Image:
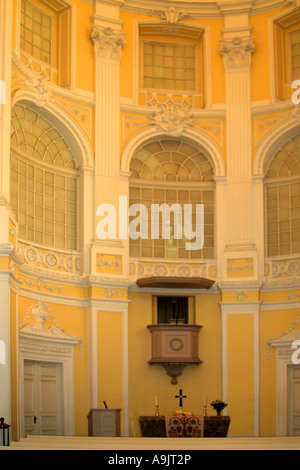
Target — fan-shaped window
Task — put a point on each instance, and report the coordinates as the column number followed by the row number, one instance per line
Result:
column 43, row 187
column 172, row 172
column 283, row 200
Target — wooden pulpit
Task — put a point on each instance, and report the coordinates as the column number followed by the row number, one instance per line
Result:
column 104, row 422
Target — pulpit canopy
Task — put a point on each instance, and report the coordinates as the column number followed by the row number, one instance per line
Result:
column 176, row 282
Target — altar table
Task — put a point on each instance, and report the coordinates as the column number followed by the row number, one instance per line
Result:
column 195, row 426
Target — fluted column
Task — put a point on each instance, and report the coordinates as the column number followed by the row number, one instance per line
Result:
column 240, row 268
column 236, row 53
column 108, row 43
column 108, row 305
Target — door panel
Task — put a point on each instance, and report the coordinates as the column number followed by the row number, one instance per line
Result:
column 29, row 397
column 42, row 398
column 294, row 400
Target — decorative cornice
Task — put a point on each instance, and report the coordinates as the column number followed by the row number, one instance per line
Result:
column 290, row 3
column 236, row 52
column 171, row 15
column 108, row 43
column 41, row 313
column 211, row 8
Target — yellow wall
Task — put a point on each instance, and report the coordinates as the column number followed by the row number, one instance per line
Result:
column 74, row 321
column 273, row 324
column 215, row 59
column 85, row 71
column 148, row 381
column 240, row 374
column 145, row 381
column 260, row 69
column 110, row 357
column 14, row 363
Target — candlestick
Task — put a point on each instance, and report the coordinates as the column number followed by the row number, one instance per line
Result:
column 205, row 406
column 156, row 407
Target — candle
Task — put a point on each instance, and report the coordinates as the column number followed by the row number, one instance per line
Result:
column 156, row 401
column 205, row 400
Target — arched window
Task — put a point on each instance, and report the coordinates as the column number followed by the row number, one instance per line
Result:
column 172, row 171
column 283, row 201
column 43, row 186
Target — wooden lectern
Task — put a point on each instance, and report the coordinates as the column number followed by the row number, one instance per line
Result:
column 104, row 422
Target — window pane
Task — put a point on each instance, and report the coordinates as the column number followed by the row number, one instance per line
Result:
column 35, row 32
column 171, row 156
column 165, row 62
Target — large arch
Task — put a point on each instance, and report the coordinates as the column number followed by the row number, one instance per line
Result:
column 273, row 141
column 189, row 134
column 82, row 150
column 73, row 134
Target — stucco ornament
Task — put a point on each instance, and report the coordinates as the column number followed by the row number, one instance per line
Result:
column 172, row 120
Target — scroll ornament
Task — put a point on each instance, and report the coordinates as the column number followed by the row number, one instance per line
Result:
column 108, row 43
column 237, row 52
column 172, row 120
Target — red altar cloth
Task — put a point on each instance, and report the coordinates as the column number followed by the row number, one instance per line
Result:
column 184, row 426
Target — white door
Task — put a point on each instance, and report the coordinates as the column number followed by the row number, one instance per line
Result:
column 42, row 398
column 294, row 400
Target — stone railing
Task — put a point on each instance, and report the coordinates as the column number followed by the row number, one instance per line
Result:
column 282, row 267
column 139, row 268
column 36, row 256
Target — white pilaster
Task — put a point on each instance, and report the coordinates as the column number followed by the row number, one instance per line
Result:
column 120, row 306
column 108, row 43
column 242, row 260
column 258, row 221
column 242, row 308
column 87, row 210
column 236, row 48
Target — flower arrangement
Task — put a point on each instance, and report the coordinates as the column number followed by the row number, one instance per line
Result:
column 218, row 406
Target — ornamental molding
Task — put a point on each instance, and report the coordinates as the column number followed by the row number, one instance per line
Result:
column 171, row 119
column 139, row 268
column 109, row 292
column 282, row 269
column 290, row 3
column 211, row 8
column 40, row 284
column 285, row 339
column 26, row 73
column 293, row 295
column 171, row 15
column 49, row 259
column 101, row 261
column 237, row 52
column 108, row 43
column 39, row 313
column 37, row 80
column 295, row 113
column 181, row 101
column 263, row 125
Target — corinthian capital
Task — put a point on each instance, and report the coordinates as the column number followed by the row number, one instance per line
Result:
column 108, row 42
column 237, row 52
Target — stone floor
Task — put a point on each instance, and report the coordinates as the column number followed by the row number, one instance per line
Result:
column 154, row 444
